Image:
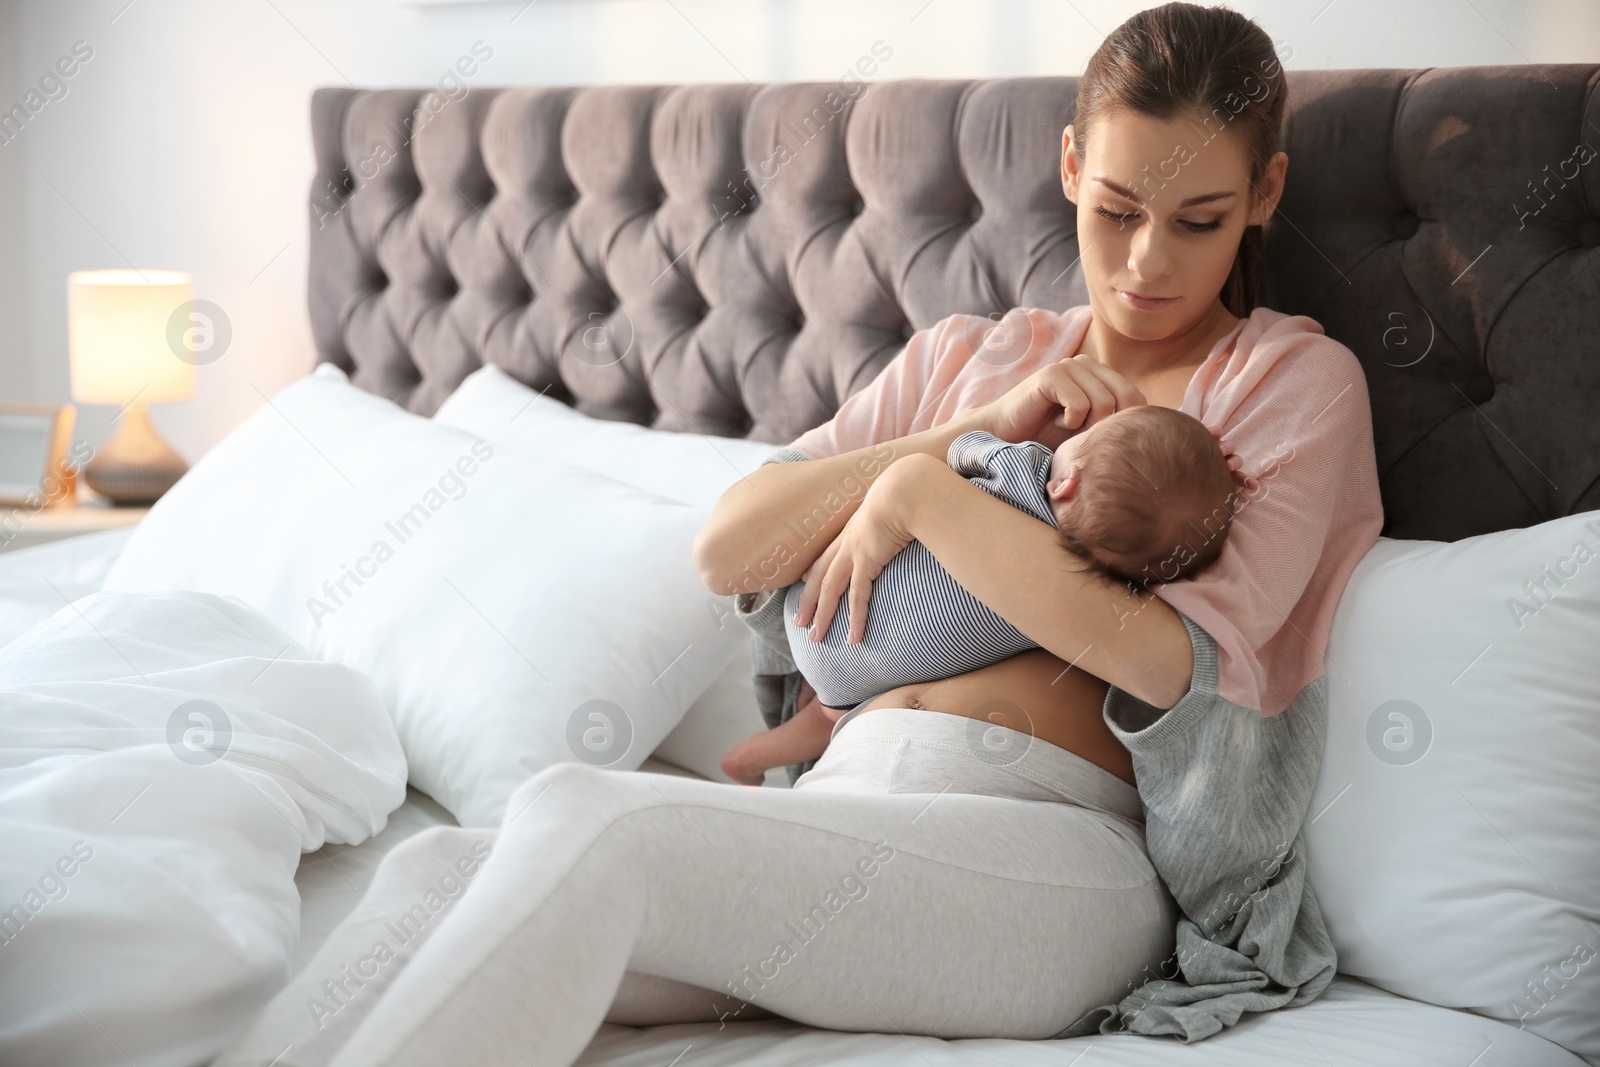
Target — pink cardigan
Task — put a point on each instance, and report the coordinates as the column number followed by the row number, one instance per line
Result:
column 1290, row 400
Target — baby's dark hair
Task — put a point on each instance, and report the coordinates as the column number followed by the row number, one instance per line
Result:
column 1155, row 498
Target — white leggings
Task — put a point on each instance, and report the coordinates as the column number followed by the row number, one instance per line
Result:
column 932, row 874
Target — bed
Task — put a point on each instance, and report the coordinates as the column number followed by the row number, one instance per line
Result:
column 1352, row 1024
column 733, row 261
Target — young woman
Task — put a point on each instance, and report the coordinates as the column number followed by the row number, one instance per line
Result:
column 968, row 857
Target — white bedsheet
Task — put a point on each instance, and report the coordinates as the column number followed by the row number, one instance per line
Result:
column 165, row 758
column 1352, row 1025
column 37, row 582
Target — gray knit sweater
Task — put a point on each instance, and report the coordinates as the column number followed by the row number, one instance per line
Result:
column 1225, row 792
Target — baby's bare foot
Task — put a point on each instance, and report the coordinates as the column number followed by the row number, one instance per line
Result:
column 802, row 738
column 742, row 765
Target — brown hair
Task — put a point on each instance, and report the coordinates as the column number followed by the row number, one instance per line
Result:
column 1177, row 60
column 1155, row 500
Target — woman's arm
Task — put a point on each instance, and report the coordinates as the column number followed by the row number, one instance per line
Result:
column 771, row 525
column 1017, row 568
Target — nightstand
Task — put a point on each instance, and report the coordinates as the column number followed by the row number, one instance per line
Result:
column 21, row 527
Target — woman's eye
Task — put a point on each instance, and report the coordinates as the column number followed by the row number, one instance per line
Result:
column 1193, row 227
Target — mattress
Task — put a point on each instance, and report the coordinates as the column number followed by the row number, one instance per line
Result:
column 1353, row 1024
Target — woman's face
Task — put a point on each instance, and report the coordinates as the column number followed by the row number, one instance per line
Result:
column 1161, row 211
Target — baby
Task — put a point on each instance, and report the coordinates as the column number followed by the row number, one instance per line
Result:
column 1144, row 496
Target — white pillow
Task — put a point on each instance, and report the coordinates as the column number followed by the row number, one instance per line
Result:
column 1454, row 835
column 691, row 467
column 514, row 611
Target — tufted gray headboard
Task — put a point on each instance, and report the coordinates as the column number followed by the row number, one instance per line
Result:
column 738, row 259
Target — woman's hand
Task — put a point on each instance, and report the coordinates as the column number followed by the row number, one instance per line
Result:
column 1057, row 401
column 874, row 535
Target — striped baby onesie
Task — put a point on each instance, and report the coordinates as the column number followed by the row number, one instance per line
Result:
column 921, row 625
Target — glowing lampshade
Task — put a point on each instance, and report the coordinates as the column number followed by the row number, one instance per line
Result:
column 118, row 334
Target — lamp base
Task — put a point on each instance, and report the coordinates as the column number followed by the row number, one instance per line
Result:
column 134, row 466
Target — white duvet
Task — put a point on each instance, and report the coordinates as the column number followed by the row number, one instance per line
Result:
column 165, row 759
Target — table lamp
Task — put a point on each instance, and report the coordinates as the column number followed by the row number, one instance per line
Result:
column 118, row 327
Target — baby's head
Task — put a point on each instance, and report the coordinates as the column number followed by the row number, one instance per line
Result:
column 1145, row 495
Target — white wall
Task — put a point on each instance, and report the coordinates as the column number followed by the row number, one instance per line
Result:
column 184, row 142
column 16, row 378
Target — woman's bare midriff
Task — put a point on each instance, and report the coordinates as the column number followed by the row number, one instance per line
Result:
column 1034, row 692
